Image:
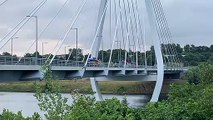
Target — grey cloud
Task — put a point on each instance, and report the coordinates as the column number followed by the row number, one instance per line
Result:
column 189, row 20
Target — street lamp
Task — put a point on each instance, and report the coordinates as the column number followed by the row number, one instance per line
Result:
column 42, row 47
column 36, row 52
column 119, row 52
column 76, row 43
column 11, row 47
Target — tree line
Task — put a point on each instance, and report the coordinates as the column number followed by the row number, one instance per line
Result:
column 190, row 55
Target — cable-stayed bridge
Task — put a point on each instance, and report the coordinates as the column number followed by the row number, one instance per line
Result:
column 127, row 38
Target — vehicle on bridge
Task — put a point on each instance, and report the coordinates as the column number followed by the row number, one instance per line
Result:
column 93, row 62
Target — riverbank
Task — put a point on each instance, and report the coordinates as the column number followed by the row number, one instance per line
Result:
column 83, row 86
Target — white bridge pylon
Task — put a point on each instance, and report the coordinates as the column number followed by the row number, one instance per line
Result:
column 152, row 13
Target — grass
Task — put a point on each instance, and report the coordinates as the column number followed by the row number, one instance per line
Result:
column 83, row 86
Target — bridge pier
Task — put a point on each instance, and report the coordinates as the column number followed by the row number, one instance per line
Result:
column 96, row 89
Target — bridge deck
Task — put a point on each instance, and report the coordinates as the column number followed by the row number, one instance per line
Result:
column 34, row 72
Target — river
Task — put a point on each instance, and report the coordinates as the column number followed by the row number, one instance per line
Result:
column 28, row 104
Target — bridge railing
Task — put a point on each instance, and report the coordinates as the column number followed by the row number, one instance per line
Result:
column 9, row 60
column 13, row 60
column 58, row 62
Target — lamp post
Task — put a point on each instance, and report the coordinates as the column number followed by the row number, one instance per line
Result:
column 36, row 52
column 42, row 47
column 76, row 43
column 11, row 47
column 119, row 52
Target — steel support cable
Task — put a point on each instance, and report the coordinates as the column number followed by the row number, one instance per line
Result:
column 3, row 2
column 102, row 53
column 57, row 48
column 96, row 34
column 138, row 34
column 142, row 34
column 122, row 27
column 110, row 20
column 133, row 35
column 41, row 33
column 70, row 53
column 165, row 33
column 110, row 28
column 142, row 38
column 31, row 14
column 131, row 23
column 161, row 32
column 165, row 21
column 116, row 17
column 156, row 21
column 127, row 36
column 126, row 22
column 142, row 31
column 136, row 28
column 129, row 41
column 122, row 24
column 161, row 29
column 168, row 30
column 53, row 19
column 48, row 58
column 127, row 27
column 173, row 53
column 132, row 30
column 119, row 15
column 114, row 39
column 21, row 25
column 166, row 39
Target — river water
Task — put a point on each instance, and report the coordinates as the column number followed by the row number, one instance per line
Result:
column 28, row 104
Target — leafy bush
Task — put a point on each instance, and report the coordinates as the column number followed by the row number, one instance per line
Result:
column 190, row 101
column 51, row 101
column 7, row 115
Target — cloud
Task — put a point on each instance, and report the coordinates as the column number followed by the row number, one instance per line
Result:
column 190, row 21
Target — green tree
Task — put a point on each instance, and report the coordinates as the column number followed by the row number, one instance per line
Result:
column 187, row 48
column 188, row 101
column 75, row 54
column 211, row 48
column 51, row 101
column 6, row 54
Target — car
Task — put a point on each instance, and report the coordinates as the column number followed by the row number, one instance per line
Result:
column 93, row 62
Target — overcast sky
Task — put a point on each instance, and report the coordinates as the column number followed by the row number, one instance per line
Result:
column 190, row 22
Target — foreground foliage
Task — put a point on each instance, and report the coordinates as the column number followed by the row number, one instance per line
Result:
column 189, row 101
